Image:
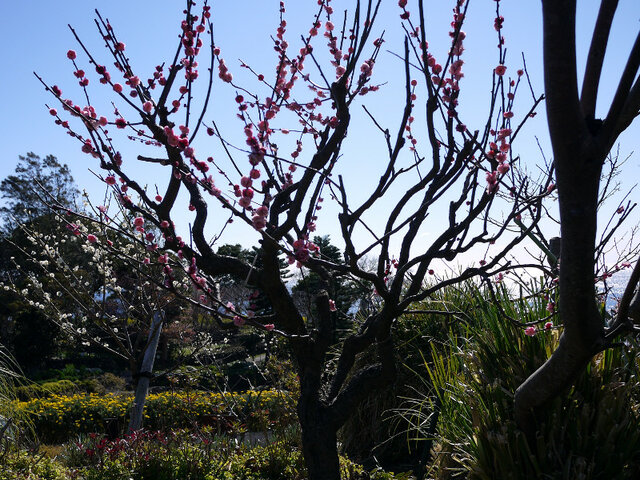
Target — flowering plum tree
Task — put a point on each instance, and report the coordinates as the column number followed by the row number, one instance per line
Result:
column 430, row 162
column 31, row 336
column 94, row 296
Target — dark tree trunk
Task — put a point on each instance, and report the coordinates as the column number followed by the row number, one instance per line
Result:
column 578, row 163
column 319, row 446
column 319, row 442
column 322, row 411
column 583, row 333
column 580, row 145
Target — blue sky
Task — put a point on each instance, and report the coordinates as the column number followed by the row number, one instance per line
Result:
column 36, row 37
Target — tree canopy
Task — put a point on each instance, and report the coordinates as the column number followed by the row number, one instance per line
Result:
column 35, row 183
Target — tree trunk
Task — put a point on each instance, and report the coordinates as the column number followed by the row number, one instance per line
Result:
column 144, row 373
column 555, row 376
column 319, row 447
column 319, row 442
column 578, row 158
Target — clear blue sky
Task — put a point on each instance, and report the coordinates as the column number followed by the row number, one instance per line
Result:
column 35, row 36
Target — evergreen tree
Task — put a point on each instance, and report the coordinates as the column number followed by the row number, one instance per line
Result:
column 345, row 293
column 238, row 288
column 35, row 182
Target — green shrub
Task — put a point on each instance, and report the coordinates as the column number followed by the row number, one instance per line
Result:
column 91, row 385
column 196, row 455
column 35, row 390
column 101, row 384
column 19, row 465
column 383, row 425
column 111, row 382
column 60, row 417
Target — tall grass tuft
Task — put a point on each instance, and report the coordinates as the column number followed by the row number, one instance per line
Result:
column 591, row 432
column 385, row 430
column 10, row 377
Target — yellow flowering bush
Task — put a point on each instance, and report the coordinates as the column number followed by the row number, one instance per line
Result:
column 60, row 417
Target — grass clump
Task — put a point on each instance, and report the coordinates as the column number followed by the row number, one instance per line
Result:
column 591, row 432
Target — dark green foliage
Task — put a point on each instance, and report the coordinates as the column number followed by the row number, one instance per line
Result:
column 111, row 382
column 31, row 337
column 202, row 455
column 35, row 182
column 462, row 369
column 383, row 426
column 20, row 465
column 237, row 289
column 342, row 290
column 100, row 384
column 591, row 433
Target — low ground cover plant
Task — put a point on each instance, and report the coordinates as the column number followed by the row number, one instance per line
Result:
column 194, row 454
column 60, row 417
column 197, row 455
column 24, row 465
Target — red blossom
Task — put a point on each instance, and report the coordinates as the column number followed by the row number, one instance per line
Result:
column 500, row 70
